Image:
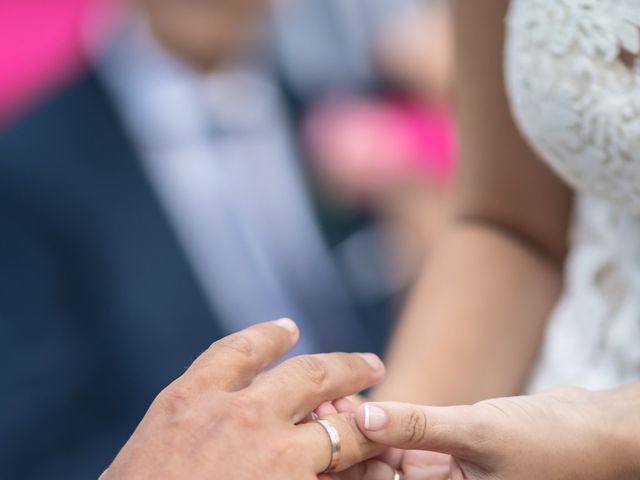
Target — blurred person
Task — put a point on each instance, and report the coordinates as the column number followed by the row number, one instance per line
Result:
column 157, row 203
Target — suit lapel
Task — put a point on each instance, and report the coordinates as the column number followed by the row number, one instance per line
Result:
column 155, row 298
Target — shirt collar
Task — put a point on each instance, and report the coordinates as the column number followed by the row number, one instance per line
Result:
column 167, row 101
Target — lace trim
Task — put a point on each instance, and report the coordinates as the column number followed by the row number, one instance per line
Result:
column 573, row 78
column 574, row 94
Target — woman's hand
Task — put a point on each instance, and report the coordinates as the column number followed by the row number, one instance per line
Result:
column 559, row 435
column 219, row 421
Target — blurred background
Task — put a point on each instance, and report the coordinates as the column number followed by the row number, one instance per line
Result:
column 175, row 170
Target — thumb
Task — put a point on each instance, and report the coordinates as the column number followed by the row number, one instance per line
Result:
column 459, row 431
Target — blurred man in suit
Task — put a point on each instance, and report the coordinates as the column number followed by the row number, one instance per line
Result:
column 154, row 205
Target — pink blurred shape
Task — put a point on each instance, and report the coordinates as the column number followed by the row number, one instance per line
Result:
column 368, row 146
column 40, row 47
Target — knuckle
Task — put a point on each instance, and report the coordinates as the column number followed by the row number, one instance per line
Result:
column 202, row 381
column 414, row 427
column 174, row 399
column 313, row 368
column 238, row 348
column 239, row 345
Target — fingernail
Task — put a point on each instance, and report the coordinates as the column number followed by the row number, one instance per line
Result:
column 287, row 324
column 373, row 360
column 374, row 418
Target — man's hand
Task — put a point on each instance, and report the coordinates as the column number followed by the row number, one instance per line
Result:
column 219, row 421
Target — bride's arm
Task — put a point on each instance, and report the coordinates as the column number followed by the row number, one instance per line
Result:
column 474, row 324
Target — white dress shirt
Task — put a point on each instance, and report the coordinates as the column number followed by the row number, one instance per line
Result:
column 218, row 152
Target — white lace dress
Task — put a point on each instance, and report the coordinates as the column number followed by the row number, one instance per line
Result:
column 574, row 84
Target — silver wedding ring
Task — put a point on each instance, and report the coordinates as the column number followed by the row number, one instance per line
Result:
column 397, row 475
column 336, row 446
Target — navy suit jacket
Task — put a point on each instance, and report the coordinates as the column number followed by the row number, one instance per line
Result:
column 99, row 309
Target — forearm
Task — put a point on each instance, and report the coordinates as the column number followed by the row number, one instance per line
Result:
column 474, row 324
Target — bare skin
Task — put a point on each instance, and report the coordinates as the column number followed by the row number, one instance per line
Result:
column 219, row 421
column 559, row 435
column 473, row 327
column 472, row 332
column 205, row 33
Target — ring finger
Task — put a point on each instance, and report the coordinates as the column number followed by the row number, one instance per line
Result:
column 354, row 447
